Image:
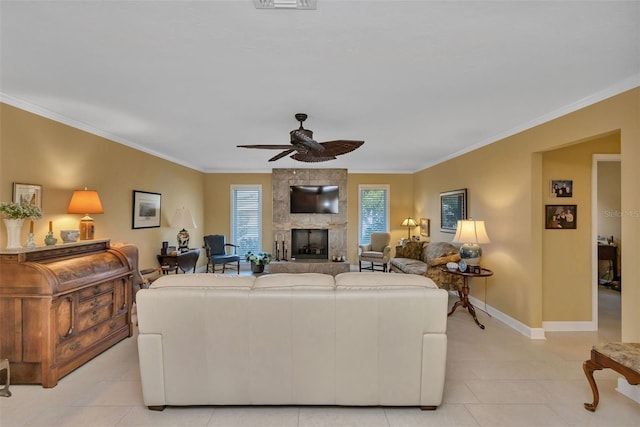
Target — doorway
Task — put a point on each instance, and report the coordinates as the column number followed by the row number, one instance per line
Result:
column 607, row 238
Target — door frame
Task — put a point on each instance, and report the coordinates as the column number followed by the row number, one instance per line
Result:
column 594, row 230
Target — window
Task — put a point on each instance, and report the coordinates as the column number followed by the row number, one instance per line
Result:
column 374, row 211
column 246, row 218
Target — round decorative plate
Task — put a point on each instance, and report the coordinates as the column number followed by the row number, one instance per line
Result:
column 462, row 265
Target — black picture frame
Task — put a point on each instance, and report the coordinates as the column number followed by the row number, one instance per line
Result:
column 561, row 217
column 453, row 207
column 561, row 188
column 146, row 209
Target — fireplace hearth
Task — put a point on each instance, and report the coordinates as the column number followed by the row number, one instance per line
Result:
column 309, row 243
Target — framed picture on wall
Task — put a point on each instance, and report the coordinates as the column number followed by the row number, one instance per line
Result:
column 425, row 227
column 561, row 217
column 27, row 194
column 146, row 209
column 561, row 188
column 453, row 207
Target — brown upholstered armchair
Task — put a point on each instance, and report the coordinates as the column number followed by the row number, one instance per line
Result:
column 376, row 252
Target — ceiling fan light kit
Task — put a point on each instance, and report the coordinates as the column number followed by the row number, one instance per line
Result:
column 285, row 4
column 306, row 149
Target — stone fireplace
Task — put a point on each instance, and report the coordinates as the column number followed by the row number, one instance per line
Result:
column 310, row 243
column 284, row 222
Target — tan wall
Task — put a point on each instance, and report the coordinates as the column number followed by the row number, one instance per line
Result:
column 35, row 150
column 505, row 182
column 401, row 206
column 217, row 194
column 609, row 199
column 566, row 273
column 218, row 205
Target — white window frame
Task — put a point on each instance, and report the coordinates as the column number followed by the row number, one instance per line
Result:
column 384, row 187
column 233, row 237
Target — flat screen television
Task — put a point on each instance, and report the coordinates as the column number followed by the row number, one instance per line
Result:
column 314, row 198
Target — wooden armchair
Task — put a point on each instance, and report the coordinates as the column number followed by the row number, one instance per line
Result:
column 217, row 253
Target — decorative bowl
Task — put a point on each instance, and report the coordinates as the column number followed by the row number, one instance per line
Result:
column 69, row 236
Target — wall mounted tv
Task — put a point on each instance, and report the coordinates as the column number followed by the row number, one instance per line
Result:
column 314, row 198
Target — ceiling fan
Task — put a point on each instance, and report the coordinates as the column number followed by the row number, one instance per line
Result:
column 307, row 149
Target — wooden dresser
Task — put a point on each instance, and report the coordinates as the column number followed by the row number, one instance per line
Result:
column 62, row 305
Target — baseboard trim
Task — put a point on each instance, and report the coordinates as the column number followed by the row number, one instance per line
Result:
column 631, row 391
column 533, row 333
column 554, row 326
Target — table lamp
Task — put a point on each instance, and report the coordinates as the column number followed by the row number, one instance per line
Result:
column 85, row 202
column 183, row 220
column 409, row 222
column 471, row 233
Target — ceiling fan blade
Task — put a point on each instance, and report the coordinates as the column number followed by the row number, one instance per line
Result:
column 311, row 158
column 340, row 146
column 281, row 155
column 267, row 146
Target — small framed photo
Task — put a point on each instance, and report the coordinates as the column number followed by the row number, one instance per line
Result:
column 146, row 209
column 425, row 227
column 30, row 194
column 453, row 207
column 561, row 217
column 561, row 188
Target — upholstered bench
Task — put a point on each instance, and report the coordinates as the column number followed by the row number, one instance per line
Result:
column 624, row 358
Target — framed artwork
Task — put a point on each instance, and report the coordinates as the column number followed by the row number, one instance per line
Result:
column 561, row 217
column 146, row 209
column 425, row 227
column 30, row 194
column 453, row 206
column 561, row 188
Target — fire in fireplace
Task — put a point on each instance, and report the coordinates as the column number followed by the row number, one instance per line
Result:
column 310, row 243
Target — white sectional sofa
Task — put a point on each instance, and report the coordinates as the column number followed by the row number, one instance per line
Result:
column 358, row 339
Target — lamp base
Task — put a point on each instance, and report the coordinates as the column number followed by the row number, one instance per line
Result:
column 471, row 253
column 87, row 228
column 183, row 240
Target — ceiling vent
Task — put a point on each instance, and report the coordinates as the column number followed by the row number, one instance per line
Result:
column 285, row 4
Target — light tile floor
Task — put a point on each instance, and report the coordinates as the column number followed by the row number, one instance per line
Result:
column 495, row 377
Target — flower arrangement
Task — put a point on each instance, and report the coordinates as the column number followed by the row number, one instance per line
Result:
column 261, row 258
column 20, row 211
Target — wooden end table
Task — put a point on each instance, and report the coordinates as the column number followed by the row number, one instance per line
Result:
column 169, row 262
column 464, row 292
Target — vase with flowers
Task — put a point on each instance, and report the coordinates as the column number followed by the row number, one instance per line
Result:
column 14, row 215
column 258, row 261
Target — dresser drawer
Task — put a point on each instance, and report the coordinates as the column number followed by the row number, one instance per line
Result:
column 91, row 318
column 71, row 347
column 92, row 291
column 95, row 302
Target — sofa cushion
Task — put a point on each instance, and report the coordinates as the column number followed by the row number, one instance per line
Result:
column 440, row 250
column 295, row 280
column 409, row 265
column 203, row 280
column 379, row 280
column 443, row 260
column 412, row 250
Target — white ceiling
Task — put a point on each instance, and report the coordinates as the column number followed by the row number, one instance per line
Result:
column 419, row 82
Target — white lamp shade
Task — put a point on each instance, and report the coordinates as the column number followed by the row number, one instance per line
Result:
column 183, row 219
column 471, row 231
column 409, row 222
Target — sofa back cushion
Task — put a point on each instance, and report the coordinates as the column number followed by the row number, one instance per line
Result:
column 204, row 280
column 379, row 280
column 440, row 253
column 295, row 280
column 413, row 250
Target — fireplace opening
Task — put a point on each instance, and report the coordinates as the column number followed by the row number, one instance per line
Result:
column 310, row 243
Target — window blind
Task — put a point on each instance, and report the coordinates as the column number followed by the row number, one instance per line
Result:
column 246, row 217
column 374, row 211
